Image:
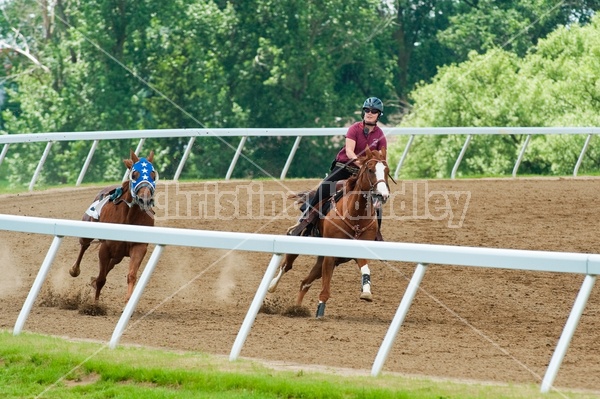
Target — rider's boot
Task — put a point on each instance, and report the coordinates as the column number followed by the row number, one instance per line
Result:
column 301, row 224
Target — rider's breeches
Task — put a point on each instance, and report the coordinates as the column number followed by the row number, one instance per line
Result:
column 327, row 187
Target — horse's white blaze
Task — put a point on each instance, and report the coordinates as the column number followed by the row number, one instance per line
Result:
column 380, row 175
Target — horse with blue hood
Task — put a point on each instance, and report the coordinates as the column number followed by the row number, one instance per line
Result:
column 128, row 203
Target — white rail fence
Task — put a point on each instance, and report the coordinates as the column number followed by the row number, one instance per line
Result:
column 421, row 254
column 193, row 134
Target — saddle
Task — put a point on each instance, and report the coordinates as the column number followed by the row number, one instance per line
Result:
column 308, row 227
column 112, row 194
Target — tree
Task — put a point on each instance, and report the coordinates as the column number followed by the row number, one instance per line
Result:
column 429, row 34
column 554, row 85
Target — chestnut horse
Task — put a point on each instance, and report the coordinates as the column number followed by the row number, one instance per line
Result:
column 353, row 216
column 129, row 203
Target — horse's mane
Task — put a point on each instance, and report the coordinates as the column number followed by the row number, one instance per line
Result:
column 350, row 183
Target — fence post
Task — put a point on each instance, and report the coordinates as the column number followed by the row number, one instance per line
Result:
column 135, row 296
column 38, row 170
column 290, row 158
column 37, row 285
column 4, row 151
column 88, row 160
column 186, row 154
column 254, row 307
column 404, row 155
column 580, row 159
column 460, row 157
column 236, row 157
column 521, row 154
column 568, row 331
column 398, row 319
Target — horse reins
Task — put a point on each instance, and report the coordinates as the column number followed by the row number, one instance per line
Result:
column 356, row 227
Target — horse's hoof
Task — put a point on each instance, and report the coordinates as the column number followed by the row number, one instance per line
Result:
column 320, row 310
column 272, row 288
column 74, row 272
column 366, row 296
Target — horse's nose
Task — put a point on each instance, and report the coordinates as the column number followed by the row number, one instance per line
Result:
column 146, row 203
column 383, row 190
column 145, row 199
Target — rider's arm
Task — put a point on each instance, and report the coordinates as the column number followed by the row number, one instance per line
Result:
column 350, row 146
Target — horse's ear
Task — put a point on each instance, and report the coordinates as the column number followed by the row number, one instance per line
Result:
column 151, row 156
column 368, row 152
column 133, row 157
column 384, row 153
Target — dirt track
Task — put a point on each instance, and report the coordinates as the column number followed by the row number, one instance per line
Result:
column 467, row 323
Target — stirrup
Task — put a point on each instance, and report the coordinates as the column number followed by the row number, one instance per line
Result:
column 297, row 229
column 294, row 230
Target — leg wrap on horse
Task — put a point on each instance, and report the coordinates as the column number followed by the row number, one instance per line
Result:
column 320, row 310
column 366, row 284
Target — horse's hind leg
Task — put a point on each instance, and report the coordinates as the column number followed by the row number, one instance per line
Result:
column 314, row 274
column 85, row 244
column 285, row 266
column 327, row 274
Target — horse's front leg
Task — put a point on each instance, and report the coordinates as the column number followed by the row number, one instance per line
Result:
column 84, row 245
column 136, row 256
column 315, row 273
column 106, row 264
column 76, row 268
column 327, row 274
column 365, row 272
column 285, row 266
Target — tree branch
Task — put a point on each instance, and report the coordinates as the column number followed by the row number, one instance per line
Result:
column 5, row 46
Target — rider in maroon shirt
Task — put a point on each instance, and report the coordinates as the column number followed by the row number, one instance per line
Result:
column 359, row 136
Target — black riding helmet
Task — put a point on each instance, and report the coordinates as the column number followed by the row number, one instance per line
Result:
column 372, row 102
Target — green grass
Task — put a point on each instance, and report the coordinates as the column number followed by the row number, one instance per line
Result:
column 35, row 366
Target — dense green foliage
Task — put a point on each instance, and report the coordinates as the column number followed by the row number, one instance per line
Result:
column 146, row 64
column 45, row 367
column 555, row 84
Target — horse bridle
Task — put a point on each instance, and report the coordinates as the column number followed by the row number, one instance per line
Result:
column 374, row 185
column 356, row 227
column 145, row 169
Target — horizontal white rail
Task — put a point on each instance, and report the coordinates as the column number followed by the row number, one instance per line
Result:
column 545, row 261
column 244, row 133
column 291, row 132
column 422, row 254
